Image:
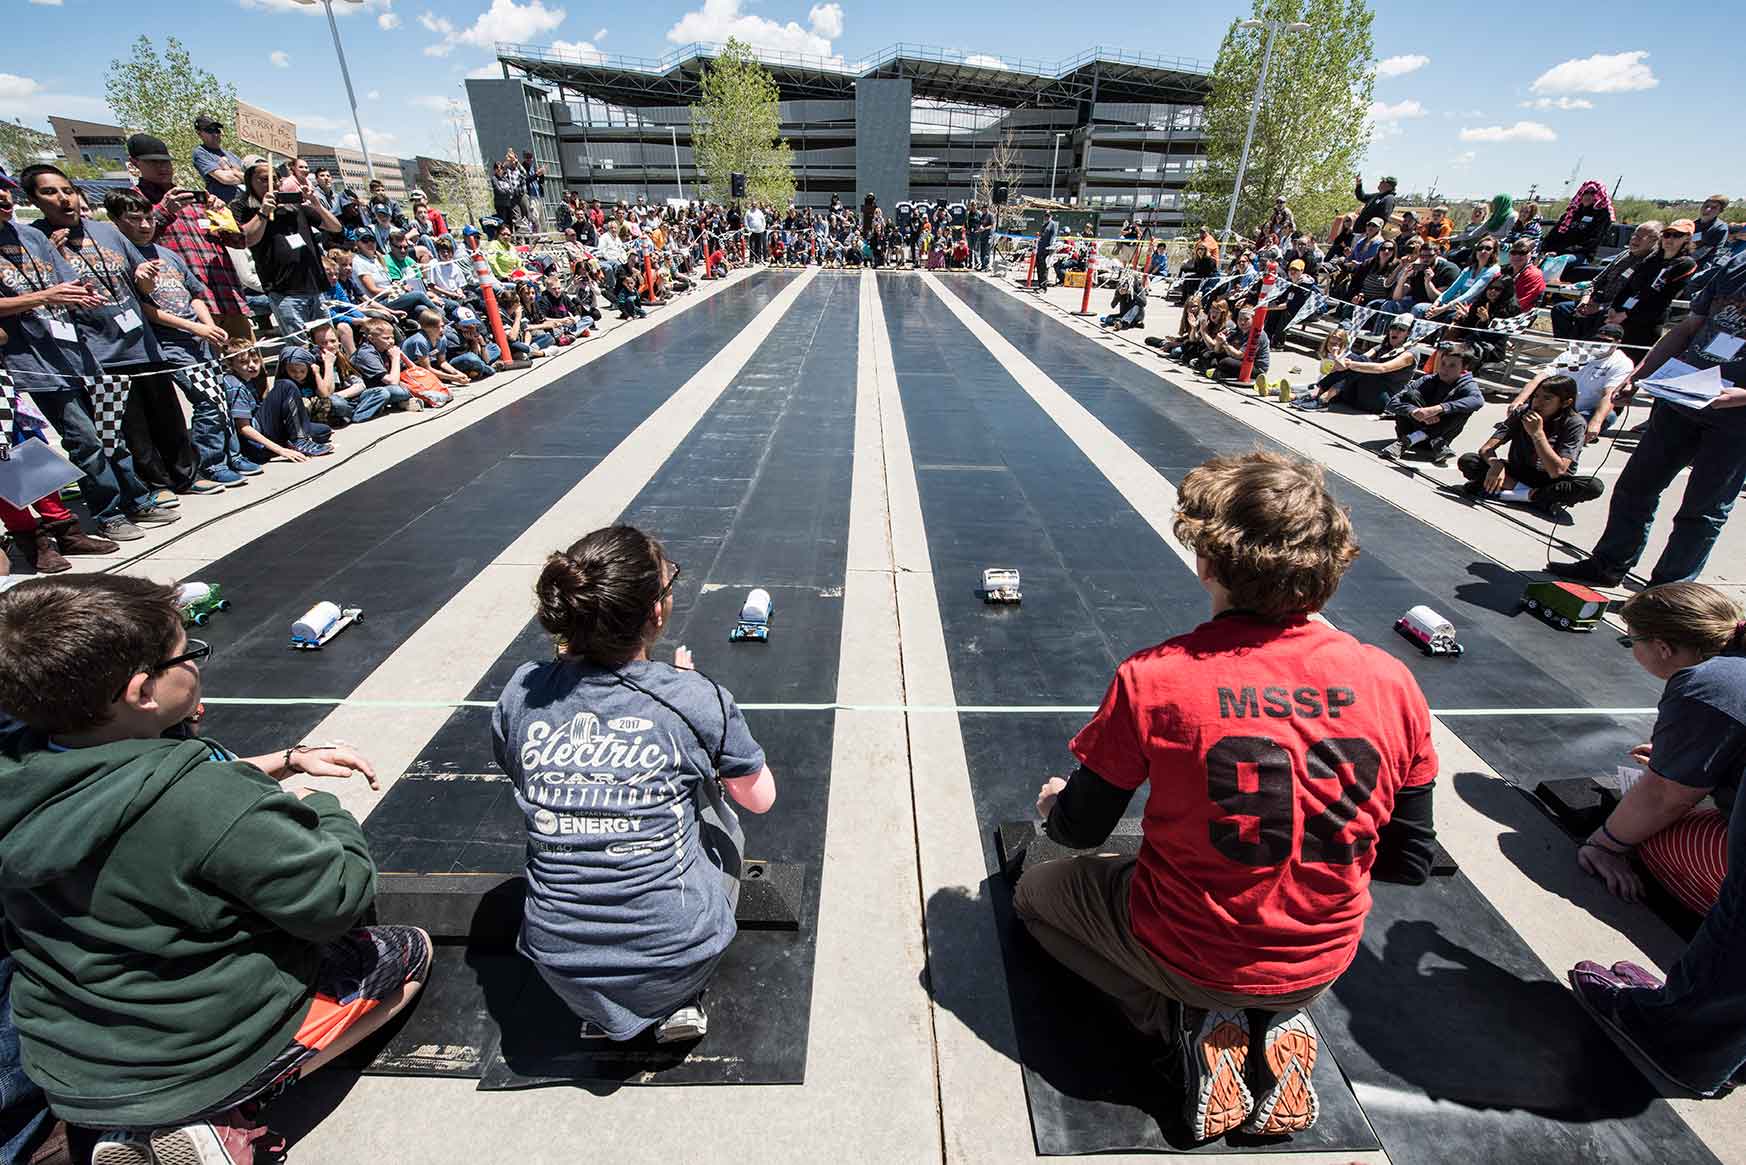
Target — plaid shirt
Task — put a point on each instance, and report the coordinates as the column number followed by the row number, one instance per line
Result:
column 203, row 250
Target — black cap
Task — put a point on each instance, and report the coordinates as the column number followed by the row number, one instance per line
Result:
column 1611, row 332
column 206, row 123
column 143, row 147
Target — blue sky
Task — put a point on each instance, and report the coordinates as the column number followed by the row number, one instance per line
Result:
column 1477, row 115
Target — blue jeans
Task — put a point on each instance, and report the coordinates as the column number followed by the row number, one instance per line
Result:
column 472, row 364
column 1694, row 1028
column 1713, row 444
column 352, row 409
column 411, row 301
column 209, row 429
column 294, row 313
column 110, row 484
column 1568, row 325
column 23, row 1111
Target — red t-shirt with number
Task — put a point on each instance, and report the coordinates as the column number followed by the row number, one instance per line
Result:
column 1273, row 751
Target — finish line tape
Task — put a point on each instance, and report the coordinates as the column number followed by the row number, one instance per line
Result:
column 959, row 709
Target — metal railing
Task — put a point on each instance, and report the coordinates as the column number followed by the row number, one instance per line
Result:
column 903, row 50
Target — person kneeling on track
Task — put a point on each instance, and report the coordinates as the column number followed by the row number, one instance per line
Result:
column 1242, row 907
column 185, row 923
column 620, row 765
column 1539, row 466
column 1693, row 1028
column 1432, row 410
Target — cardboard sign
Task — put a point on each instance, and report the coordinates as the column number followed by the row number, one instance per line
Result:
column 257, row 127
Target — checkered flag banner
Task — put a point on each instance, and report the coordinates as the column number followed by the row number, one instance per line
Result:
column 1313, row 304
column 8, row 405
column 108, row 405
column 1360, row 317
column 1514, row 325
column 1423, row 329
column 204, row 379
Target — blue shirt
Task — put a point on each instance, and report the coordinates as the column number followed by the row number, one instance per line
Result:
column 417, row 347
column 102, row 256
column 36, row 358
column 240, row 397
column 1700, row 727
column 207, row 160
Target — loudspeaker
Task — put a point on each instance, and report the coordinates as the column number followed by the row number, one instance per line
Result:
column 737, row 185
column 1000, row 193
column 958, row 213
column 902, row 214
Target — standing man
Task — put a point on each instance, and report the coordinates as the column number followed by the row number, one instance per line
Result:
column 1045, row 245
column 221, row 170
column 183, row 220
column 1710, row 440
column 100, row 328
column 1283, row 224
column 756, row 226
column 1378, row 206
column 985, row 220
column 278, row 226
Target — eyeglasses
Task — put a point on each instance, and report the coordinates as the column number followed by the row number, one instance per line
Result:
column 1631, row 640
column 1485, row 248
column 673, row 578
column 198, row 650
column 1673, row 234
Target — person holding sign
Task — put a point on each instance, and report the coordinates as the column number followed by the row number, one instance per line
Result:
column 1705, row 350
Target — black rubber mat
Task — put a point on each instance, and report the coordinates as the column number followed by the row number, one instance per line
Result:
column 405, row 541
column 1512, row 661
column 1001, row 486
column 756, row 495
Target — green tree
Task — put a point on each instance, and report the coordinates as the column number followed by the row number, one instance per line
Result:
column 20, row 145
column 734, row 129
column 161, row 95
column 1002, row 165
column 1313, row 128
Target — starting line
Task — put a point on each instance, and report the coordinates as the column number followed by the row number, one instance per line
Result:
column 953, row 709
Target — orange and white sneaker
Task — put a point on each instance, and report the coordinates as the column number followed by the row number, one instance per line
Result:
column 235, row 1137
column 1216, row 1097
column 1285, row 1093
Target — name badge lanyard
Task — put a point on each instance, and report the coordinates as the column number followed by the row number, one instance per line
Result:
column 78, row 255
column 58, row 317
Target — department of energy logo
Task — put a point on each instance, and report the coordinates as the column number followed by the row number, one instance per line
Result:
column 545, row 821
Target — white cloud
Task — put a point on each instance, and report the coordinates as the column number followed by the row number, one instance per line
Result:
column 280, row 59
column 377, row 140
column 578, row 48
column 340, row 10
column 492, row 72
column 437, row 24
column 1463, row 160
column 506, row 20
column 599, row 34
column 47, row 3
column 308, row 123
column 434, row 104
column 388, row 20
column 1558, row 103
column 374, row 95
column 985, row 61
column 25, row 99
column 719, row 20
column 1399, row 111
column 1601, row 73
column 1402, row 65
column 1522, row 131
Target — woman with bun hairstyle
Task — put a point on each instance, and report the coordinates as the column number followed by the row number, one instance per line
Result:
column 623, row 768
column 1693, row 1028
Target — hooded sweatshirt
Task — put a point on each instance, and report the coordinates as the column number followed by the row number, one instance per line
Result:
column 166, row 907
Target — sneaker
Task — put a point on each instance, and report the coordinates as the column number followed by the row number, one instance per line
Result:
column 1586, row 570
column 1393, row 451
column 120, row 1147
column 690, row 1022
column 163, row 497
column 1571, row 491
column 119, row 529
column 1216, row 1097
column 225, row 476
column 151, row 516
column 1598, row 989
column 204, row 486
column 1309, row 404
column 237, row 1137
column 1473, row 489
column 1631, row 975
column 1285, row 1093
column 312, row 448
column 245, row 467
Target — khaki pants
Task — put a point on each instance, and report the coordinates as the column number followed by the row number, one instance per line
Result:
column 1077, row 908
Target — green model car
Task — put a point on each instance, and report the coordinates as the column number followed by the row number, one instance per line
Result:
column 199, row 600
column 1566, row 605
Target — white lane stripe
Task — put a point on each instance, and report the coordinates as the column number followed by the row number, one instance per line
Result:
column 453, row 648
column 907, row 709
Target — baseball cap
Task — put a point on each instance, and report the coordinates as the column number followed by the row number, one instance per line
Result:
column 206, row 123
column 1296, row 265
column 297, row 354
column 469, row 231
column 466, row 318
column 1683, row 225
column 143, row 147
column 1390, row 179
column 379, row 208
column 250, row 160
column 416, row 195
column 1611, row 332
column 1403, row 320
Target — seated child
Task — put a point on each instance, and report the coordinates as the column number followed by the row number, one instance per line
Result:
column 275, row 422
column 1242, row 907
column 424, row 348
column 1430, row 412
column 1539, row 466
column 379, row 361
column 185, row 922
column 634, row 853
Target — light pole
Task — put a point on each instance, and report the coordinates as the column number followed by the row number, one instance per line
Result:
column 346, row 75
column 1053, row 164
column 674, row 131
column 1272, row 27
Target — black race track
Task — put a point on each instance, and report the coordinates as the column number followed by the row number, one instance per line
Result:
column 403, row 543
column 1503, row 1065
column 756, row 495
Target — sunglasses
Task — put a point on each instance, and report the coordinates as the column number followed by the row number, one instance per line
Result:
column 198, row 650
column 1485, row 248
column 1673, row 234
column 668, row 589
column 1631, row 640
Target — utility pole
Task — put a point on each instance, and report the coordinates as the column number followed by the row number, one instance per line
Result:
column 1272, row 27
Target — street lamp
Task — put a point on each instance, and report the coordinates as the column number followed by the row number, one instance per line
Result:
column 1272, row 27
column 346, row 75
column 1056, row 162
column 674, row 132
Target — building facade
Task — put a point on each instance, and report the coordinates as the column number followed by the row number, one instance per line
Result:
column 348, row 168
column 91, row 142
column 1107, row 129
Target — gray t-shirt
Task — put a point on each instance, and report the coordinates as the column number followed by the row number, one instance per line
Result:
column 629, row 833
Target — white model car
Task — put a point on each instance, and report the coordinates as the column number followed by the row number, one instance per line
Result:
column 1000, row 584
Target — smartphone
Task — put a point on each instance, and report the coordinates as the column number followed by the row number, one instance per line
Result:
column 289, row 197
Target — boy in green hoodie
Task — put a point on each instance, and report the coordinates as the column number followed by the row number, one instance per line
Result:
column 184, row 925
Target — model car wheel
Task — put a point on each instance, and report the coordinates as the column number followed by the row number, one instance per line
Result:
column 224, row 604
column 1531, row 604
column 200, row 619
column 1564, row 622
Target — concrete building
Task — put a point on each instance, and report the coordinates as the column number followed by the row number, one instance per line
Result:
column 1110, row 130
column 91, row 142
column 347, row 166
